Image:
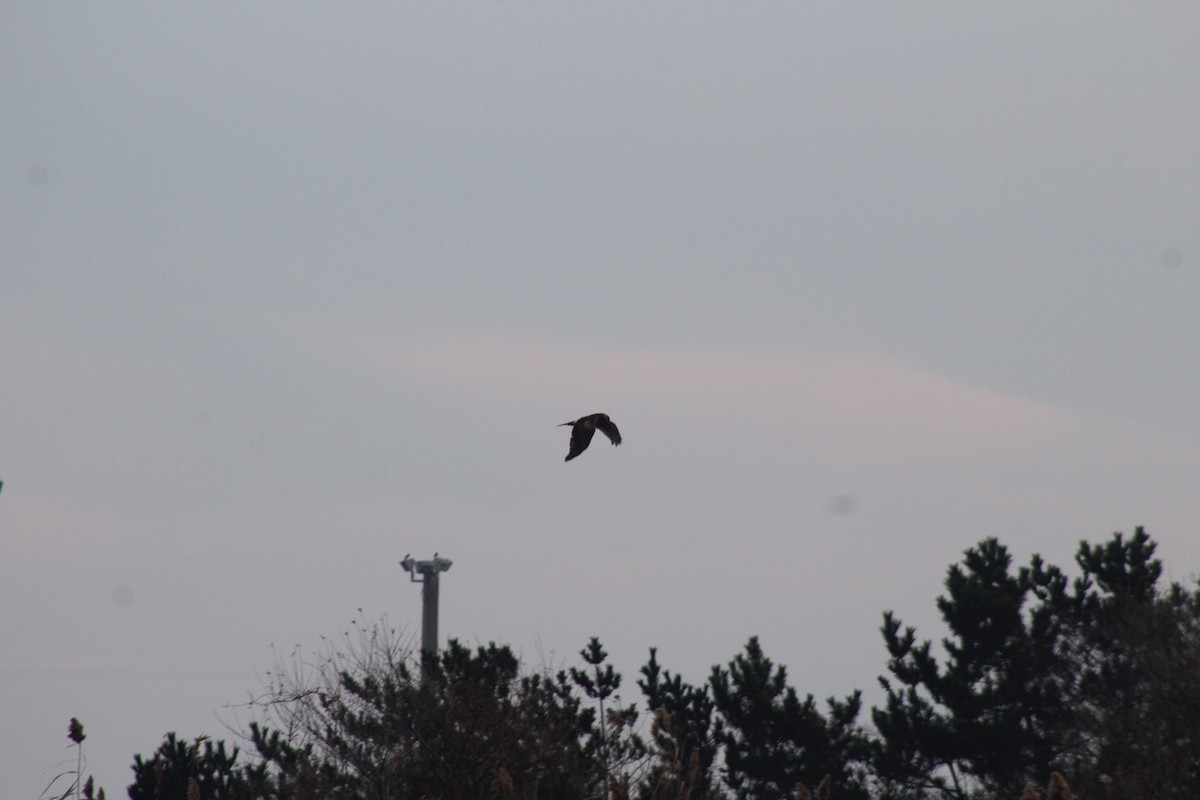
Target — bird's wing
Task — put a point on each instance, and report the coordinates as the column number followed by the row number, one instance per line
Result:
column 610, row 430
column 581, row 437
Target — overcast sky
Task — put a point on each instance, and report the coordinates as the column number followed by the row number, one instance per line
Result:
column 288, row 291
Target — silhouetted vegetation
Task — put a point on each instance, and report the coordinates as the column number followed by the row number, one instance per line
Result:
column 199, row 766
column 468, row 724
column 76, row 787
column 1096, row 678
column 683, row 736
column 772, row 741
column 1094, row 681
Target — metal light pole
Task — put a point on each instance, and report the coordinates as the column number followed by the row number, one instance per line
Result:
column 429, row 596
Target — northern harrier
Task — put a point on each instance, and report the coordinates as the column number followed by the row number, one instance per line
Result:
column 584, row 428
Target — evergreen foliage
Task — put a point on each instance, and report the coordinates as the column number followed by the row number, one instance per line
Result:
column 1094, row 680
column 611, row 741
column 684, row 735
column 179, row 765
column 773, row 741
column 469, row 725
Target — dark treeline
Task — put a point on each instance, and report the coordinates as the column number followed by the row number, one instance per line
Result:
column 1095, row 677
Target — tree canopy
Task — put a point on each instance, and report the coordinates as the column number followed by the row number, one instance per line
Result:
column 1097, row 678
column 1094, row 679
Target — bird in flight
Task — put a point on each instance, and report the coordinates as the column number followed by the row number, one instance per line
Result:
column 584, row 428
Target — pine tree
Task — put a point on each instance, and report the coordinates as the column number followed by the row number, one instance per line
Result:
column 1134, row 658
column 1090, row 678
column 987, row 715
column 613, row 741
column 773, row 741
column 683, row 735
column 462, row 725
column 215, row 772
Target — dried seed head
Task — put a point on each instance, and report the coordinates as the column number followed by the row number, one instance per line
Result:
column 1059, row 790
column 502, row 782
column 661, row 723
